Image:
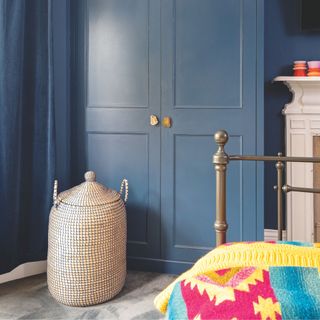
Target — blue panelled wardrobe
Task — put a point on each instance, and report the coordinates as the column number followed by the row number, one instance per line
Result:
column 196, row 62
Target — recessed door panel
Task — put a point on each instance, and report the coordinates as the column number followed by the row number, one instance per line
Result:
column 193, row 218
column 117, row 154
column 118, row 53
column 208, row 53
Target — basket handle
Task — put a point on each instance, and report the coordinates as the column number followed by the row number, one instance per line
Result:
column 55, row 194
column 124, row 184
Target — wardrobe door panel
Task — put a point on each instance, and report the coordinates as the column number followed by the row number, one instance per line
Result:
column 208, row 83
column 122, row 91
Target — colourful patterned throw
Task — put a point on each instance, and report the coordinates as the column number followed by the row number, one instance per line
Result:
column 255, row 280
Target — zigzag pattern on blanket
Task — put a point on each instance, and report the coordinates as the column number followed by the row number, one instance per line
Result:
column 238, row 255
column 248, row 293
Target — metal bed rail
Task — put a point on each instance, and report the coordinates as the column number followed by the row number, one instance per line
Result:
column 221, row 160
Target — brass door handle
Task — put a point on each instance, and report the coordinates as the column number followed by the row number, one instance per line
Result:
column 167, row 122
column 154, row 120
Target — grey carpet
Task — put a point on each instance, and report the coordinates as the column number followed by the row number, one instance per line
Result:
column 29, row 298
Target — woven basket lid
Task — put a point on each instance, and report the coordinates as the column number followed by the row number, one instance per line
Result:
column 89, row 193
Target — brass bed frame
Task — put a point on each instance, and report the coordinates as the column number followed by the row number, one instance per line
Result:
column 221, row 160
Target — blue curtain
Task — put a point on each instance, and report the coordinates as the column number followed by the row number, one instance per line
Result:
column 27, row 158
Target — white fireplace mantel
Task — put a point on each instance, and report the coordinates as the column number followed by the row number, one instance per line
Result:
column 306, row 94
column 302, row 119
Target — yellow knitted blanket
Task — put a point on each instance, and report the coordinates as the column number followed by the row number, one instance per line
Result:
column 257, row 254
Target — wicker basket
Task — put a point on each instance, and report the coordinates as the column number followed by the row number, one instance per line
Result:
column 87, row 243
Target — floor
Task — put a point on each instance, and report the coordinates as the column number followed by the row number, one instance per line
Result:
column 29, row 298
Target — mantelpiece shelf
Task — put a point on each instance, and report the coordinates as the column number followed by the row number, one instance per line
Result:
column 296, row 79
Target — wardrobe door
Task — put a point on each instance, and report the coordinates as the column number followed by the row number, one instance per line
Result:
column 122, row 72
column 208, row 83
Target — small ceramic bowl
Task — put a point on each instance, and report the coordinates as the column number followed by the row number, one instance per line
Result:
column 313, row 70
column 314, row 64
column 299, row 73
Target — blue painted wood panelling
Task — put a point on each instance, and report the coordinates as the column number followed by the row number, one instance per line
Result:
column 199, row 108
column 200, row 36
column 118, row 53
column 194, row 61
column 193, row 190
column 108, row 155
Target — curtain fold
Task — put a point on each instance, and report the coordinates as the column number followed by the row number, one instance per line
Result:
column 27, row 144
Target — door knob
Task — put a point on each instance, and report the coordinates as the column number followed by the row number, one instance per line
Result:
column 154, row 120
column 166, row 122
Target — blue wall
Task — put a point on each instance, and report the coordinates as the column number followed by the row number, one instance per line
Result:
column 284, row 43
column 61, row 60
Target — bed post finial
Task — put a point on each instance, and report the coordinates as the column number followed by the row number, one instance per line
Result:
column 220, row 161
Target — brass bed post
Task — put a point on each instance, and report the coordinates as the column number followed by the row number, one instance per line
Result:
column 279, row 167
column 220, row 160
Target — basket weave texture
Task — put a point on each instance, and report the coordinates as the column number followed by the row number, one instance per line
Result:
column 87, row 244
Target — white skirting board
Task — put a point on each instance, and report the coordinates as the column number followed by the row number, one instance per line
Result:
column 272, row 235
column 25, row 270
